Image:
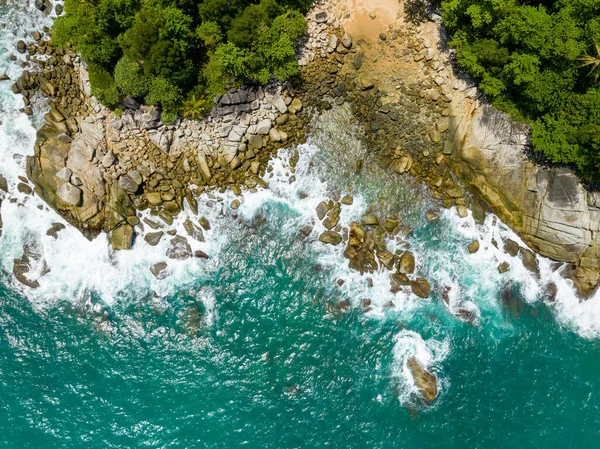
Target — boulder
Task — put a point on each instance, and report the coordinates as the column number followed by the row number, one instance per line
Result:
column 369, row 220
column 159, row 270
column 347, row 41
column 279, row 104
column 503, row 267
column 358, row 60
column 322, row 209
column 331, row 238
column 264, row 126
column 321, row 16
column 406, row 265
column 193, row 231
column 386, row 258
column 131, row 103
column 70, row 194
column 121, row 238
column 474, row 246
column 128, row 184
column 421, row 288
column 153, row 238
column 179, row 248
column 425, row 381
column 397, row 281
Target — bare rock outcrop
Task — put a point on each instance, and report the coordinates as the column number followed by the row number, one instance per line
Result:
column 548, row 207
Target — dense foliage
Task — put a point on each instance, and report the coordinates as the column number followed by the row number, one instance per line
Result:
column 173, row 52
column 538, row 61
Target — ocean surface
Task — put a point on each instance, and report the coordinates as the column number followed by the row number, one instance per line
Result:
column 251, row 349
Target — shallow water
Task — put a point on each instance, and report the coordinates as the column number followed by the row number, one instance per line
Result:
column 249, row 348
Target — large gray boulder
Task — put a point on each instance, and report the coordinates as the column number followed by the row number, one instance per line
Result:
column 70, row 194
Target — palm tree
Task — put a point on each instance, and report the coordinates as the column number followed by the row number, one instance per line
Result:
column 593, row 61
column 194, row 108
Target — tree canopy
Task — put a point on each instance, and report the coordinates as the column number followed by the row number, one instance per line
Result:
column 539, row 61
column 173, row 52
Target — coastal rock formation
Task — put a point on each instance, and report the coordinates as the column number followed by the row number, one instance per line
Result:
column 548, row 207
column 98, row 169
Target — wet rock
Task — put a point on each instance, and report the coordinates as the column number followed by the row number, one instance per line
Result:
column 397, row 281
column 386, row 258
column 322, row 210
column 406, row 265
column 369, row 220
column 511, row 247
column 200, row 254
column 40, row 4
column 347, row 200
column 193, row 231
column 153, row 238
column 31, row 259
column 121, row 238
column 179, row 248
column 235, row 204
column 503, row 267
column 474, row 246
column 24, row 188
column 421, row 288
column 204, row 223
column 425, row 381
column 432, row 216
column 3, row 184
column 549, row 292
column 55, row 229
column 331, row 238
column 391, row 225
column 159, row 270
column 21, row 47
column 529, row 260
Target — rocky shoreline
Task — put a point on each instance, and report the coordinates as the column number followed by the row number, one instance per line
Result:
column 426, row 118
column 98, row 169
column 129, row 175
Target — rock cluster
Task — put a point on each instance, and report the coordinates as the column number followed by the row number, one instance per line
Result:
column 99, row 169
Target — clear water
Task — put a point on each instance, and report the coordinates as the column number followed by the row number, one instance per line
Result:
column 249, row 348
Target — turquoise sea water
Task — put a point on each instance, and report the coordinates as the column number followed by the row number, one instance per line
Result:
column 249, row 348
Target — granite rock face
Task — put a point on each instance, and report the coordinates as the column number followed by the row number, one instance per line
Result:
column 548, row 207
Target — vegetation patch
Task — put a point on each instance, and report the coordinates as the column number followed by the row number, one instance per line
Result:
column 539, row 61
column 177, row 53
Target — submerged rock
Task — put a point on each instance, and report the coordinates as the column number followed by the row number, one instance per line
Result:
column 159, row 270
column 179, row 248
column 30, row 259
